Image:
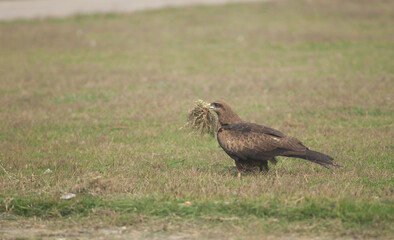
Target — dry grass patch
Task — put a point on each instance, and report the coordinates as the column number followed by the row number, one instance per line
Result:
column 202, row 118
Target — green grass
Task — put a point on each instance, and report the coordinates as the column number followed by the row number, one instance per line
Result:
column 347, row 210
column 101, row 100
column 356, row 215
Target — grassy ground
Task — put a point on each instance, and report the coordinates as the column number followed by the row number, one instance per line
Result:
column 101, row 101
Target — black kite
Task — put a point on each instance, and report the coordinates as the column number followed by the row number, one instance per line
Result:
column 252, row 145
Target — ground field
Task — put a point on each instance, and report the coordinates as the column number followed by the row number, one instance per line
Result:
column 101, row 101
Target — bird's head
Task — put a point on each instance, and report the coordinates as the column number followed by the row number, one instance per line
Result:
column 219, row 106
column 225, row 114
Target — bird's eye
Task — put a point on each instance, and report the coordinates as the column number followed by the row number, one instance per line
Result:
column 217, row 105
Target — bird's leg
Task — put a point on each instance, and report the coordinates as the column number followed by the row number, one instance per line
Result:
column 239, row 168
column 264, row 166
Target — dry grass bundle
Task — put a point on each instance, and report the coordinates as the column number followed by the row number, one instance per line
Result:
column 202, row 118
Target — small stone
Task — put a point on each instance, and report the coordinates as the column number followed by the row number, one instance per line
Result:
column 68, row 196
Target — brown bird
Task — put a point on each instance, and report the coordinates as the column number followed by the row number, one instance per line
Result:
column 252, row 145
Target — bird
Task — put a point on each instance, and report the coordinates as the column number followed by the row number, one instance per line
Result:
column 252, row 145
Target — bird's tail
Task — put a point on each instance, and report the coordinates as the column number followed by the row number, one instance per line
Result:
column 319, row 158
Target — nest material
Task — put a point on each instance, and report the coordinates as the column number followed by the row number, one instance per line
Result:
column 202, row 118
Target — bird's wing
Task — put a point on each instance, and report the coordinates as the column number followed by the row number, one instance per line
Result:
column 253, row 141
column 257, row 128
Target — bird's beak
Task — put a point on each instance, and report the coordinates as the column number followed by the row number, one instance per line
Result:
column 211, row 106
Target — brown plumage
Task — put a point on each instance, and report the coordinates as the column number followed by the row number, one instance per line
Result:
column 252, row 145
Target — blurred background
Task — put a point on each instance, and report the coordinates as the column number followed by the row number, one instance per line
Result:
column 27, row 9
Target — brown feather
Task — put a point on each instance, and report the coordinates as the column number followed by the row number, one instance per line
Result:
column 252, row 145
